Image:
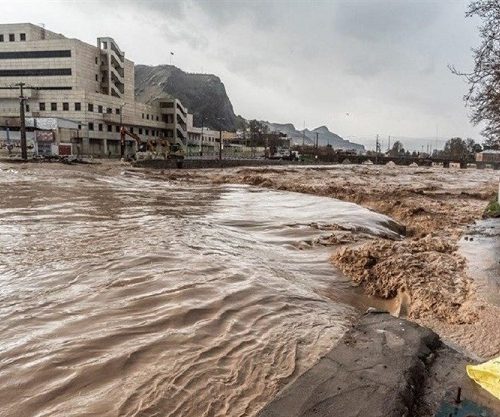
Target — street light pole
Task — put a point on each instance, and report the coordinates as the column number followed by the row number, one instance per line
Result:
column 24, row 150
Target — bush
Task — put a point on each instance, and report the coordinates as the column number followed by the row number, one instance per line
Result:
column 493, row 209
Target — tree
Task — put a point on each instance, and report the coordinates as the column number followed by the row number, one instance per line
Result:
column 397, row 149
column 483, row 96
column 257, row 127
column 456, row 148
column 473, row 147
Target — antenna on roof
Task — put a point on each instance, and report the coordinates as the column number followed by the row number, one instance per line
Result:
column 43, row 30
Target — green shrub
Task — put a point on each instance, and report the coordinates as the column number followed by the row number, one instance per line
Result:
column 493, row 209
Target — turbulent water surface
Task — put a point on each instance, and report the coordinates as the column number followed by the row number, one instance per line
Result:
column 123, row 295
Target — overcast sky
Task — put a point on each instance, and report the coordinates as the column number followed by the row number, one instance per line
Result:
column 360, row 67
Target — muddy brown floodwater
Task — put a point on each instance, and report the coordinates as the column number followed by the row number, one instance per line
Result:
column 122, row 294
column 425, row 275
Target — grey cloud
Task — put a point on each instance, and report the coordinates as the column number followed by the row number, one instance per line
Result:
column 384, row 21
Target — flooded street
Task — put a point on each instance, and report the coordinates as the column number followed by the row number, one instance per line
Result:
column 126, row 295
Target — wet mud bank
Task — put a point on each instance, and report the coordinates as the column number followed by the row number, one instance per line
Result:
column 383, row 366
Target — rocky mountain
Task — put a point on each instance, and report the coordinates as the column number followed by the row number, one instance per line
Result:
column 205, row 97
column 203, row 94
column 308, row 137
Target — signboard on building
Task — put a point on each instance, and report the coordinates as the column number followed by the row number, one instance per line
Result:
column 44, row 140
column 44, row 136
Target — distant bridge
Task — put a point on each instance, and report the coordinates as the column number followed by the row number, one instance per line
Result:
column 344, row 157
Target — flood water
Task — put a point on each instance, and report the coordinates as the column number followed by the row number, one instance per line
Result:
column 481, row 247
column 125, row 295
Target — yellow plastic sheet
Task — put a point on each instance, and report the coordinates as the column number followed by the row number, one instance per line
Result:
column 487, row 375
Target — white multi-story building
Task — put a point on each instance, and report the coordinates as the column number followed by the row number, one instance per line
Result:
column 91, row 85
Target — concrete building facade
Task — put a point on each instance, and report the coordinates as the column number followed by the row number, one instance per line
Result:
column 90, row 85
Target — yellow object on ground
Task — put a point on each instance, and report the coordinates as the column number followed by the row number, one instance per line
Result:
column 487, row 375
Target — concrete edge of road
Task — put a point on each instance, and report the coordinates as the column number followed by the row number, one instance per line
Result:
column 383, row 366
column 209, row 163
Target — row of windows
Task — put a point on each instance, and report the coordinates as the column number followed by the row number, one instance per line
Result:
column 12, row 37
column 109, row 128
column 55, row 88
column 34, row 72
column 77, row 107
column 53, row 106
column 100, row 127
column 152, row 117
column 66, row 53
column 100, row 109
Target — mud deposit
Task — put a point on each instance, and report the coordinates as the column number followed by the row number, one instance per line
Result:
column 424, row 274
column 123, row 294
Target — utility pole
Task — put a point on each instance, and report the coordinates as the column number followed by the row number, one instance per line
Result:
column 317, row 140
column 377, row 150
column 220, row 144
column 201, row 136
column 221, row 141
column 22, row 99
column 389, row 144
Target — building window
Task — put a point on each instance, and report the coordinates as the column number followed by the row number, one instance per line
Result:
column 12, row 37
column 42, row 72
column 117, row 128
column 91, row 126
column 49, row 88
column 99, row 109
column 147, row 116
column 105, row 44
column 96, row 61
column 65, row 106
column 27, row 108
column 53, row 106
column 91, row 107
column 143, row 115
column 1, row 38
column 117, row 111
column 64, row 53
column 157, row 118
column 109, row 110
column 147, row 132
column 100, row 127
column 97, row 77
column 131, row 130
column 78, row 106
column 41, row 106
column 110, row 128
column 22, row 37
column 140, row 131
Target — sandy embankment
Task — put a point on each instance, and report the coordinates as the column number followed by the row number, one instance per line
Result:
column 423, row 271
